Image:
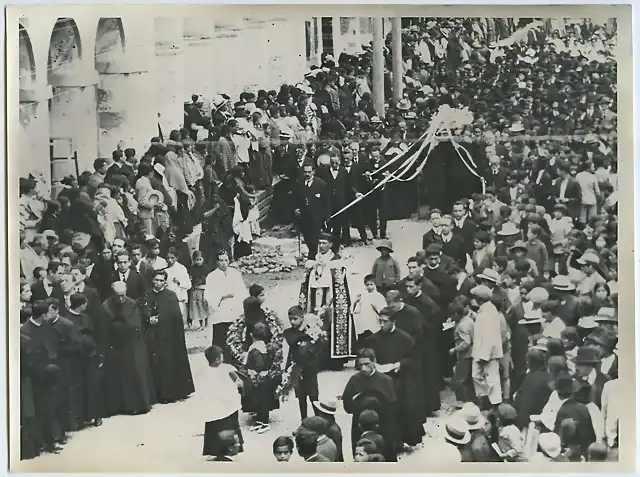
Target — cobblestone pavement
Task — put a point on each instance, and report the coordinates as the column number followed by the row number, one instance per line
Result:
column 169, row 438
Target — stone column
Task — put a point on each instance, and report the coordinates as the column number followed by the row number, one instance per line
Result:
column 127, row 113
column 33, row 145
column 169, row 58
column 378, row 67
column 317, row 21
column 227, row 57
column 396, row 53
column 338, row 43
column 74, row 112
column 200, row 58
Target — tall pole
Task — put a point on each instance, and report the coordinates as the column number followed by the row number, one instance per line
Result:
column 396, row 53
column 378, row 66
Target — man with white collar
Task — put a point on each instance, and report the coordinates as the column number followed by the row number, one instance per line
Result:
column 463, row 225
column 39, row 343
column 587, row 364
column 41, row 290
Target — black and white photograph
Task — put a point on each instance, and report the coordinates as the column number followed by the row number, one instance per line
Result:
column 260, row 235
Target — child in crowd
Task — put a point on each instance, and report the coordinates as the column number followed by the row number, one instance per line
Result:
column 510, row 438
column 259, row 390
column 368, row 422
column 536, row 249
column 283, row 448
column 366, row 308
column 225, row 406
column 303, row 356
column 386, row 269
column 462, row 382
column 571, row 341
column 364, row 448
column 198, row 307
column 254, row 213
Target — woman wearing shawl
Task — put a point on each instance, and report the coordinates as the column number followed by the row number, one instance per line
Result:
column 176, row 179
column 217, row 229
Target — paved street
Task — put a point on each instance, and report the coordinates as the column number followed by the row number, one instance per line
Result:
column 168, row 439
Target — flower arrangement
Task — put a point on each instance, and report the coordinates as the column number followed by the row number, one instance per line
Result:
column 236, row 341
column 313, row 326
column 448, row 119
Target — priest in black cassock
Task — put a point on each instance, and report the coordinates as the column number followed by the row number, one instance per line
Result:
column 394, row 349
column 432, row 330
column 371, row 389
column 166, row 341
column 408, row 319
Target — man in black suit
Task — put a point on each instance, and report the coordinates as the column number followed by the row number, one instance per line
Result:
column 464, row 226
column 571, row 409
column 541, row 182
column 497, row 176
column 41, row 290
column 453, row 245
column 568, row 191
column 312, row 206
column 534, row 391
column 119, row 168
column 337, row 182
column 284, row 156
column 136, row 287
column 354, row 177
column 376, row 203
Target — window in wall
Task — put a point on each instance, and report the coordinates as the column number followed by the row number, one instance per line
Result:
column 327, row 35
column 307, row 37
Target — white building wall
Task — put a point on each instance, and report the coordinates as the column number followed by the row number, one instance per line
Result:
column 119, row 100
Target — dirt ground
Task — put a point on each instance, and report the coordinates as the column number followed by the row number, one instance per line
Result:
column 169, row 438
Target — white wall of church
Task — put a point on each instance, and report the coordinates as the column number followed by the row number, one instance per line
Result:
column 98, row 82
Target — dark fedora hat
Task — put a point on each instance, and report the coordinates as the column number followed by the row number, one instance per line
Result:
column 587, row 355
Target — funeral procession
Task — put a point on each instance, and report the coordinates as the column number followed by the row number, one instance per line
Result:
column 290, row 239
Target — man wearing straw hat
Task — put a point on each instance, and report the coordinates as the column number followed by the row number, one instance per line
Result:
column 487, row 349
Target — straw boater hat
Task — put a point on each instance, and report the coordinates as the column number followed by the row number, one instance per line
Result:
column 326, row 406
column 606, row 315
column 375, row 120
column 516, row 127
column 589, row 258
column 508, row 228
column 411, row 115
column 587, row 323
column 489, row 274
column 472, row 415
column 155, row 198
column 218, row 102
column 404, row 104
column 385, row 244
column 550, row 444
column 456, row 430
column 532, row 317
column 538, row 295
column 482, row 291
column 562, row 283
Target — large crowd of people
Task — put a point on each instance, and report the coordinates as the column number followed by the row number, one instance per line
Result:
column 510, row 300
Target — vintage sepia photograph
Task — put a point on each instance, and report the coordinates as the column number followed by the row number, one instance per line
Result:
column 271, row 235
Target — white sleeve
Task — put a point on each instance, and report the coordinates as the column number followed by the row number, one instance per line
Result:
column 185, row 279
column 211, row 292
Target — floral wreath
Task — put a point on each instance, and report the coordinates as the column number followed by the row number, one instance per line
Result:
column 236, row 340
